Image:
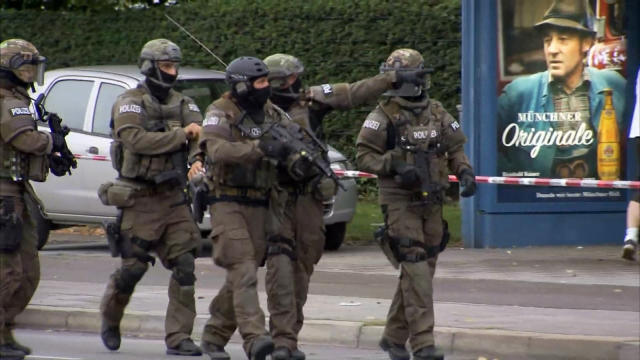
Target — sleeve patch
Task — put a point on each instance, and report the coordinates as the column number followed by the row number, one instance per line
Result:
column 194, row 107
column 127, row 108
column 455, row 126
column 211, row 120
column 371, row 124
column 20, row 111
column 327, row 89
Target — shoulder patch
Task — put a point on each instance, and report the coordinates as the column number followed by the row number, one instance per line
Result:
column 327, row 89
column 211, row 120
column 455, row 126
column 193, row 107
column 127, row 108
column 371, row 124
column 17, row 111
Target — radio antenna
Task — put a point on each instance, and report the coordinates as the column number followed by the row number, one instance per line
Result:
column 196, row 40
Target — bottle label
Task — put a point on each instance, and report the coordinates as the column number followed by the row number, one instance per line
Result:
column 609, row 161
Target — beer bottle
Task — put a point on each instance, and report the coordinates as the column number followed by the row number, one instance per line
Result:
column 608, row 152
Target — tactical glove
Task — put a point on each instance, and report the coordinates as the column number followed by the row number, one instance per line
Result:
column 272, row 148
column 408, row 176
column 415, row 77
column 58, row 142
column 467, row 182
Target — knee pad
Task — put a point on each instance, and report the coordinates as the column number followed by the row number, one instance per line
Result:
column 128, row 277
column 183, row 269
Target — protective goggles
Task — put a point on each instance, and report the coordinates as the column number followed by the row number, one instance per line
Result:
column 25, row 58
column 37, row 64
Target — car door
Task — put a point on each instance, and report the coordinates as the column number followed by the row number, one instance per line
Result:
column 97, row 158
column 73, row 199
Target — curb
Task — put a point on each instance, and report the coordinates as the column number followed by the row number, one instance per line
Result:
column 361, row 335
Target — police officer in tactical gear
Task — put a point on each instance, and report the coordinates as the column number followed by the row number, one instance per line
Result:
column 241, row 167
column 23, row 156
column 154, row 129
column 302, row 228
column 411, row 143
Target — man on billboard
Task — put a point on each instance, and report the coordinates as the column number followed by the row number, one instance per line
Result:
column 548, row 122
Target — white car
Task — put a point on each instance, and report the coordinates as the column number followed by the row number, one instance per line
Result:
column 82, row 97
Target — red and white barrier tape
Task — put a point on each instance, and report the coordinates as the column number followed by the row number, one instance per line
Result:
column 585, row 183
column 92, row 157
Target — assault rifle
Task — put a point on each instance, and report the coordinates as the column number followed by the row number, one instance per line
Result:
column 301, row 141
column 430, row 191
column 63, row 163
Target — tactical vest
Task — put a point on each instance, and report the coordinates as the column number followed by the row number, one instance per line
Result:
column 16, row 165
column 418, row 128
column 159, row 118
column 260, row 176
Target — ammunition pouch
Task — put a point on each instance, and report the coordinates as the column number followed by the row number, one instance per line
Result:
column 38, row 168
column 10, row 226
column 117, row 194
column 115, row 150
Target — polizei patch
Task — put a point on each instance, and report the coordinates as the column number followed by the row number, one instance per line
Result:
column 130, row 108
column 211, row 120
column 371, row 124
column 20, row 111
column 194, row 107
column 327, row 89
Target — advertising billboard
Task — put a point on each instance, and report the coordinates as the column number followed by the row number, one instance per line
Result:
column 561, row 96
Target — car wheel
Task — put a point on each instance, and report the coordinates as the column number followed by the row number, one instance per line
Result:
column 334, row 235
column 43, row 226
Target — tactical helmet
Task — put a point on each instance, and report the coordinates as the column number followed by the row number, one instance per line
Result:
column 22, row 59
column 282, row 66
column 241, row 73
column 154, row 51
column 405, row 60
column 569, row 14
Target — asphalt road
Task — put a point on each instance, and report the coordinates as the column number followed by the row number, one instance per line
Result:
column 52, row 345
column 352, row 282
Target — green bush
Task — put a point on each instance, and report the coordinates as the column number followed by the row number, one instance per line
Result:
column 337, row 40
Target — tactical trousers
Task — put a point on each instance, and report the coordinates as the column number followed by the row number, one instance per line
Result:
column 279, row 279
column 411, row 314
column 19, row 273
column 170, row 232
column 239, row 245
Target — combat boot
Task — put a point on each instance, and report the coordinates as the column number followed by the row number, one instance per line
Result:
column 261, row 347
column 215, row 352
column 629, row 249
column 298, row 355
column 395, row 351
column 110, row 336
column 9, row 353
column 11, row 341
column 281, row 353
column 186, row 347
column 428, row 353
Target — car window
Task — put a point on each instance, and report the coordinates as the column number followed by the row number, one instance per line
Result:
column 102, row 114
column 202, row 91
column 69, row 99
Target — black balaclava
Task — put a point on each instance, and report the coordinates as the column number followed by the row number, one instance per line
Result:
column 253, row 101
column 284, row 98
column 158, row 90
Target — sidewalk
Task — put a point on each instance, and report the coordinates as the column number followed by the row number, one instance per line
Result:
column 599, row 319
